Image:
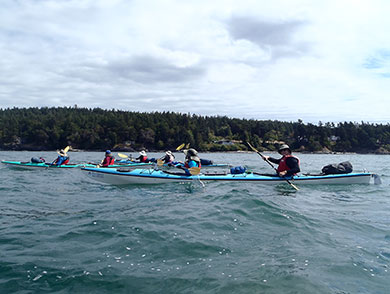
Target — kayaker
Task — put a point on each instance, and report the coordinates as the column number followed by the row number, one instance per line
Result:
column 109, row 159
column 288, row 164
column 143, row 157
column 191, row 160
column 62, row 158
column 168, row 158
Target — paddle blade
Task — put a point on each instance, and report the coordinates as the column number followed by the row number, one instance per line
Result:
column 194, row 170
column 66, row 149
column 178, row 148
column 292, row 185
column 160, row 162
column 122, row 155
column 377, row 179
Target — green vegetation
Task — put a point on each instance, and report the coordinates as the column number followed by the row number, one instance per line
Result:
column 98, row 129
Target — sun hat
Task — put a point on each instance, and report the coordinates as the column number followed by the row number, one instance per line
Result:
column 143, row 153
column 168, row 152
column 192, row 154
column 284, row 147
column 190, row 151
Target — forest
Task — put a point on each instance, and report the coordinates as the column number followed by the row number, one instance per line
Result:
column 98, row 129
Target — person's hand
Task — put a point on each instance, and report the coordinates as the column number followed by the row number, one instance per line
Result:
column 282, row 173
column 265, row 157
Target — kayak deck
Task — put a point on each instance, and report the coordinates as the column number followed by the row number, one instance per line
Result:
column 151, row 176
column 20, row 164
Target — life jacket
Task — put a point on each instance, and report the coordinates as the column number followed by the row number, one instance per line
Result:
column 66, row 161
column 283, row 165
column 143, row 159
column 108, row 160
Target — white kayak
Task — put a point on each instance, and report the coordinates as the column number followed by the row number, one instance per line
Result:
column 124, row 176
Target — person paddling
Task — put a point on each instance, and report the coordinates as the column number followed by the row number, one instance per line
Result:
column 109, row 159
column 288, row 164
column 62, row 158
column 168, row 158
column 191, row 160
column 143, row 157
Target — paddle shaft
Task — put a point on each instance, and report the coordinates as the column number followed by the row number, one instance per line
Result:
column 266, row 160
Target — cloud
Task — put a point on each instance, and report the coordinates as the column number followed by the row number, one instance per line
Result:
column 379, row 63
column 276, row 37
column 276, row 59
column 149, row 70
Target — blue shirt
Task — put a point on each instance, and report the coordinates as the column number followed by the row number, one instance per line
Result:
column 191, row 163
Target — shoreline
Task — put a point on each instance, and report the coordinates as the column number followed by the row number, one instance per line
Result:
column 227, row 152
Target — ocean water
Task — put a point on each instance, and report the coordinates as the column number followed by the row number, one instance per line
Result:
column 61, row 232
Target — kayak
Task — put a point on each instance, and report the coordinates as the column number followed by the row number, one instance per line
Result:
column 124, row 176
column 29, row 165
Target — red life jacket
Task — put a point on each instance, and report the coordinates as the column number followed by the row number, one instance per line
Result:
column 108, row 160
column 66, row 161
column 143, row 159
column 283, row 165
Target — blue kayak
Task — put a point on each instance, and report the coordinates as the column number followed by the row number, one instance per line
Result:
column 124, row 176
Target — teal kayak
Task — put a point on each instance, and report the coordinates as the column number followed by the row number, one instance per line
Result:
column 124, row 176
column 203, row 165
column 31, row 165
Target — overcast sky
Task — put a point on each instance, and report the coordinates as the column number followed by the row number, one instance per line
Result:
column 286, row 60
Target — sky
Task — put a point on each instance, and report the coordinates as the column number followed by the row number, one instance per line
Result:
column 325, row 60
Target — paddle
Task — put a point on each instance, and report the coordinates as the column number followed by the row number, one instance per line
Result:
column 178, row 148
column 123, row 155
column 266, row 160
column 194, row 170
column 185, row 146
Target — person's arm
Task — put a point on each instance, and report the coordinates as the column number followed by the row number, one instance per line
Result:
column 293, row 164
column 273, row 160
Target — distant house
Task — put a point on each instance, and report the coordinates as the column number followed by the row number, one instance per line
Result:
column 275, row 142
column 334, row 138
